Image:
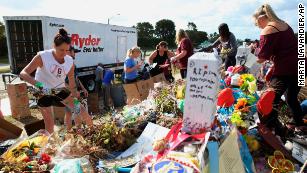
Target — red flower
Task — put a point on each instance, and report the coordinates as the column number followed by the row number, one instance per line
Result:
column 45, row 158
column 27, row 159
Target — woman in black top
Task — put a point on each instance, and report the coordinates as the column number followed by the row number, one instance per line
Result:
column 160, row 61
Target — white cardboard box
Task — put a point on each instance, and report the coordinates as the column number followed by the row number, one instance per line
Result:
column 201, row 91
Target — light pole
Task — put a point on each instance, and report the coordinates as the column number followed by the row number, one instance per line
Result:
column 111, row 18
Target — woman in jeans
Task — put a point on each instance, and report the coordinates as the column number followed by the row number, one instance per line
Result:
column 279, row 45
column 130, row 67
column 183, row 53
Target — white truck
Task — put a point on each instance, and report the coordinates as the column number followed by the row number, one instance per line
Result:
column 98, row 43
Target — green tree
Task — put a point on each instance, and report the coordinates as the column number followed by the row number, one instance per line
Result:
column 145, row 33
column 192, row 26
column 3, row 44
column 165, row 30
column 213, row 37
column 197, row 37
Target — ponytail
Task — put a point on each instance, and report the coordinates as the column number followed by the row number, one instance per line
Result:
column 129, row 52
column 266, row 10
column 132, row 50
column 270, row 13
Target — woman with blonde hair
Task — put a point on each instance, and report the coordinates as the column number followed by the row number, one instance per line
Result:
column 279, row 45
column 130, row 66
column 184, row 51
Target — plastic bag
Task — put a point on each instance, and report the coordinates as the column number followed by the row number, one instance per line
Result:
column 79, row 165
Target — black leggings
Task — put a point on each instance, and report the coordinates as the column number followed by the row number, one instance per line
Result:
column 287, row 85
column 230, row 61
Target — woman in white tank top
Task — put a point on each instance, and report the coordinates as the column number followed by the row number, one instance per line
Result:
column 52, row 66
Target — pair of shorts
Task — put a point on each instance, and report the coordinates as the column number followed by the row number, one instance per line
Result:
column 54, row 100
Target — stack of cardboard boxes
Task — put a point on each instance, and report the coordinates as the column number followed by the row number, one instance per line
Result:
column 139, row 91
column 19, row 100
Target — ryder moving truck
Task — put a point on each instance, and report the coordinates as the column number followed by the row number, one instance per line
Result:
column 107, row 44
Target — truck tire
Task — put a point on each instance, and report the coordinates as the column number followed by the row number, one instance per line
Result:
column 88, row 82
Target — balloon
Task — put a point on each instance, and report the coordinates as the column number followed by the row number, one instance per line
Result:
column 225, row 98
column 265, row 103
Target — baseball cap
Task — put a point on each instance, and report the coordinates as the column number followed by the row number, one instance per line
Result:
column 74, row 49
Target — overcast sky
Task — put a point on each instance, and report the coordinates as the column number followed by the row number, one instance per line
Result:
column 206, row 14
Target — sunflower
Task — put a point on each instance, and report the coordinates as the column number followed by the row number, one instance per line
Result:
column 242, row 105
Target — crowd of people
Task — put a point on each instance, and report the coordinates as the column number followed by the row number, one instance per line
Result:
column 161, row 59
column 277, row 45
